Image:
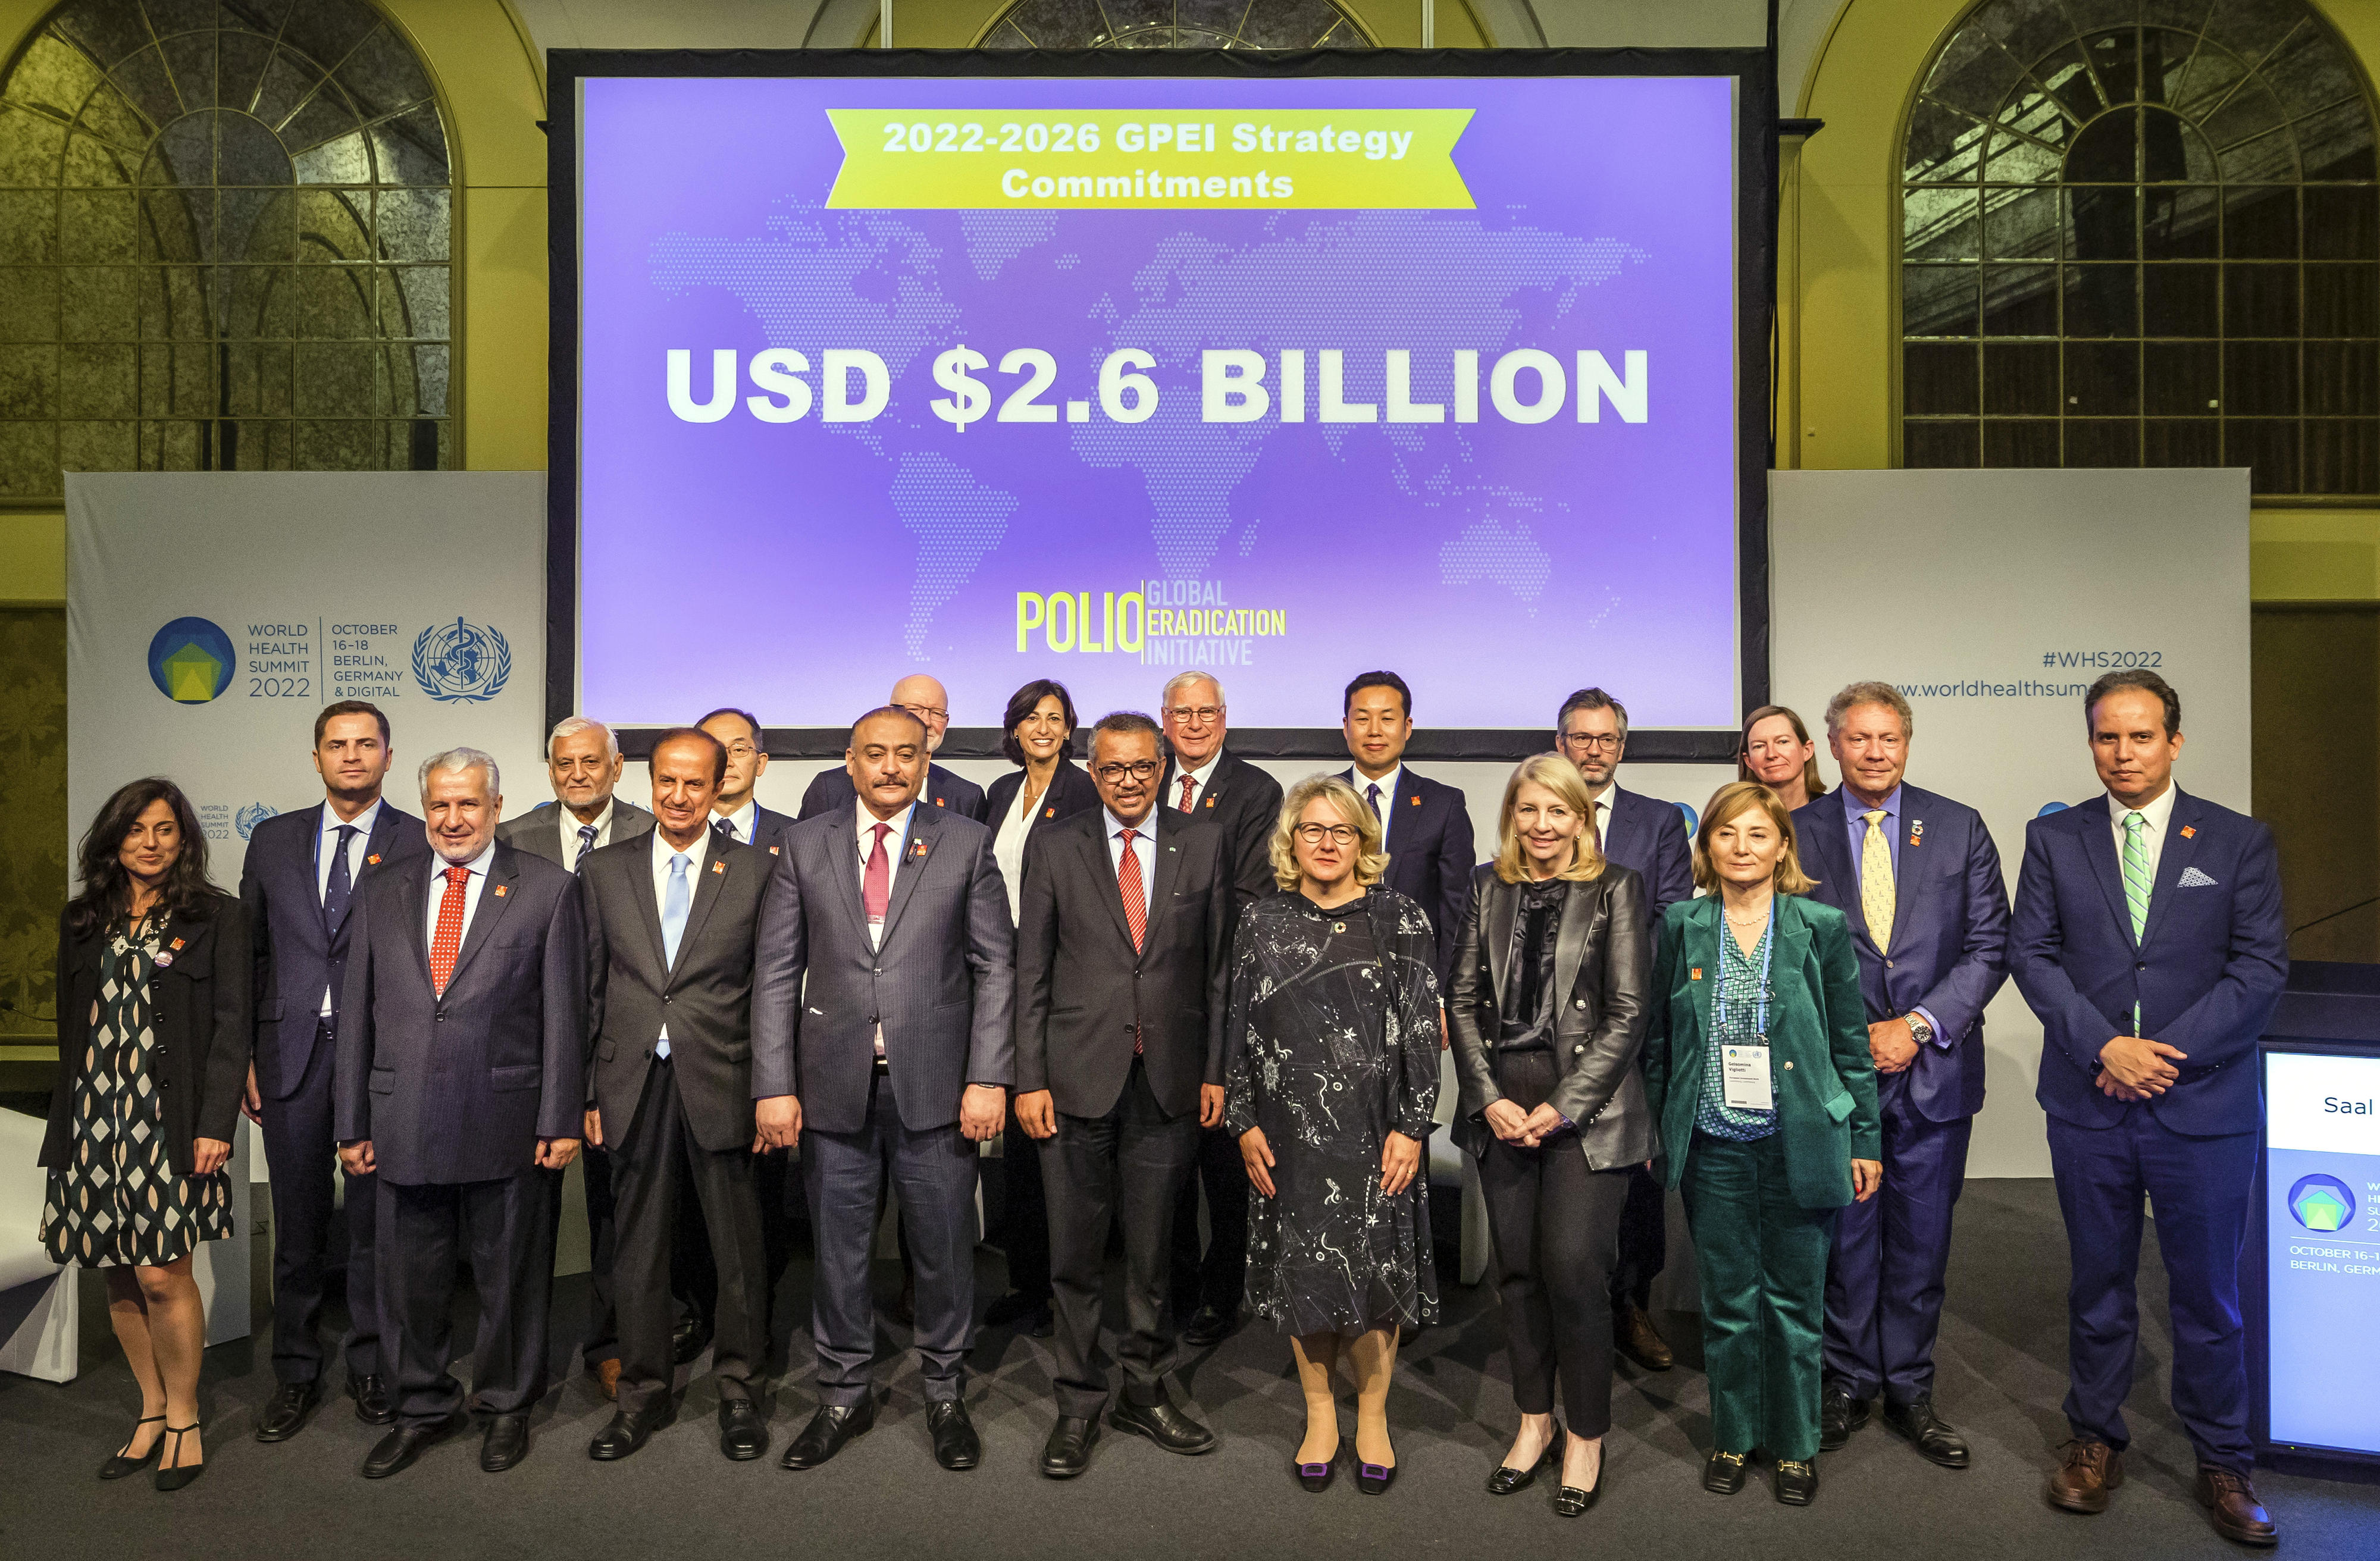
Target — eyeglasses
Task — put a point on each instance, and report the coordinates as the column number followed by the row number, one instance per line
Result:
column 1139, row 770
column 1337, row 834
column 741, row 750
column 1608, row 742
column 1194, row 715
column 927, row 712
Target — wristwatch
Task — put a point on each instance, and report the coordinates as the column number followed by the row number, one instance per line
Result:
column 1921, row 1031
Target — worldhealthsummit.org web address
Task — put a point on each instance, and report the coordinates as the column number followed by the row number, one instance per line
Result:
column 2037, row 688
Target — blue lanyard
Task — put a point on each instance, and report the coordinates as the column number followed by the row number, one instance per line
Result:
column 1768, row 949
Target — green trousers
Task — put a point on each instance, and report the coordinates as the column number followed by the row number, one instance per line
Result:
column 1764, row 1280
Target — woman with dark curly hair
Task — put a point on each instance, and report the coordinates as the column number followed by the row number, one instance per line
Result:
column 153, row 1008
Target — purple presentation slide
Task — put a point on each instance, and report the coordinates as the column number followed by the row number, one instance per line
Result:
column 1101, row 380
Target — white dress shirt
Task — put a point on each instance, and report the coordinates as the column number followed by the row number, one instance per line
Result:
column 325, row 849
column 2159, row 815
column 1198, row 779
column 1388, row 785
column 571, row 824
column 1008, row 849
column 1144, row 845
column 472, row 886
column 744, row 821
column 662, row 852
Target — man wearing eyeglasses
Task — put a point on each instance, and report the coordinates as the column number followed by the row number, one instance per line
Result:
column 1648, row 836
column 925, row 698
column 736, row 812
column 1204, row 778
column 1122, row 944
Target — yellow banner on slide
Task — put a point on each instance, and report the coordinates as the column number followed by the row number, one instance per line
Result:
column 1119, row 160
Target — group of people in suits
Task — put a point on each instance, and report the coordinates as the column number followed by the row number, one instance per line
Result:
column 1205, row 1017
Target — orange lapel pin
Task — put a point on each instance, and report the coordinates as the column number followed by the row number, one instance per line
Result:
column 500, row 889
column 2188, row 831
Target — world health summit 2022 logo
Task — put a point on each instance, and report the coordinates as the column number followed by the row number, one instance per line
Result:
column 2322, row 1204
column 462, row 662
column 191, row 661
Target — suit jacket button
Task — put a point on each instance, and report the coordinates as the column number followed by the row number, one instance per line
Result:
column 2142, row 965
column 1578, row 1051
column 1888, row 965
column 1789, row 1067
column 1578, row 1003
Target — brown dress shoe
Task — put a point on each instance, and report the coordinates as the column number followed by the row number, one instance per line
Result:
column 2231, row 1505
column 608, row 1374
column 2088, row 1471
column 1632, row 1330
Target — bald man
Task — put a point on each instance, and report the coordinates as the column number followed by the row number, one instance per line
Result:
column 925, row 698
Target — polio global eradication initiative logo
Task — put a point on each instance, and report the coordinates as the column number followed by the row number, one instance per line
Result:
column 191, row 661
column 461, row 662
column 2322, row 1204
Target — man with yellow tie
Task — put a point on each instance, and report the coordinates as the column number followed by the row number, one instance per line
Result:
column 1919, row 878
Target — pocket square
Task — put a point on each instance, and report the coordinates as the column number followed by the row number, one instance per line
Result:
column 2193, row 878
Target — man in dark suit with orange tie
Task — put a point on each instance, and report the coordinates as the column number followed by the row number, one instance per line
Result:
column 461, row 1084
column 1123, row 958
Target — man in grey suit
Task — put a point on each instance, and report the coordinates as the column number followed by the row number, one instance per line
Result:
column 896, row 1058
column 461, row 1077
column 1123, row 956
column 670, row 923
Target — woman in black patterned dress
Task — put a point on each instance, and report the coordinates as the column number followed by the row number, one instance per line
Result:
column 153, row 1035
column 1333, row 1042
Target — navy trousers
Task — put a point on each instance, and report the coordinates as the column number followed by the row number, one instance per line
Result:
column 306, row 1234
column 1884, row 1282
column 2200, row 1188
column 846, row 1175
column 505, row 1230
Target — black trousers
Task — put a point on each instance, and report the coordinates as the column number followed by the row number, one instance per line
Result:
column 656, row 1169
column 308, row 1232
column 1025, row 1219
column 1644, row 1239
column 1219, row 1276
column 693, row 1276
column 1126, row 1168
column 507, row 1228
column 1554, row 1224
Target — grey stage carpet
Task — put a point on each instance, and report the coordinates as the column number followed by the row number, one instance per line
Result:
column 2001, row 1360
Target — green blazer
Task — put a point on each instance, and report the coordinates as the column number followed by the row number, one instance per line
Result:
column 1818, row 1038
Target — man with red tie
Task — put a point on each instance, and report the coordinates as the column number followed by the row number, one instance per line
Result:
column 1123, row 946
column 461, row 1081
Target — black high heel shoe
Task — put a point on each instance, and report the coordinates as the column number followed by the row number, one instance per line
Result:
column 1316, row 1477
column 1374, row 1478
column 175, row 1479
column 117, row 1466
column 1507, row 1479
column 1570, row 1501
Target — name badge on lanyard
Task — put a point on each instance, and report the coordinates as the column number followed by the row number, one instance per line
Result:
column 1743, row 1070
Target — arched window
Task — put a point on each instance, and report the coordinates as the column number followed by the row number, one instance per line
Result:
column 223, row 244
column 1175, row 24
column 2143, row 233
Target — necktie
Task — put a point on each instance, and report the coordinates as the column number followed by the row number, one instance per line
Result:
column 447, row 943
column 334, row 892
column 1136, row 907
column 1372, row 795
column 2138, row 882
column 879, row 887
column 1595, row 825
column 725, row 827
column 1188, row 785
column 586, row 844
column 1876, row 880
column 675, row 901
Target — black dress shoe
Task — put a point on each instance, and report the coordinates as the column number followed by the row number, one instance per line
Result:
column 955, row 1447
column 1795, row 1482
column 743, row 1435
column 1164, row 1424
column 1570, row 1501
column 284, row 1413
column 1372, row 1479
column 627, row 1434
column 1316, row 1477
column 828, row 1430
column 1839, row 1414
column 690, row 1339
column 1210, row 1325
column 506, row 1444
column 1723, row 1474
column 1068, row 1451
column 1508, row 1480
column 374, row 1404
column 402, row 1446
column 181, row 1474
column 1917, row 1421
column 1013, row 1307
column 117, row 1466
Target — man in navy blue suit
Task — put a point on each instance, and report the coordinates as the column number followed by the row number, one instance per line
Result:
column 1919, row 878
column 736, row 812
column 2148, row 937
column 301, row 874
column 1648, row 837
column 1424, row 824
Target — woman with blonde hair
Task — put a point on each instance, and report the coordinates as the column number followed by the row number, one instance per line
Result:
column 1332, row 1060
column 1758, row 1068
column 1547, row 1001
column 1776, row 750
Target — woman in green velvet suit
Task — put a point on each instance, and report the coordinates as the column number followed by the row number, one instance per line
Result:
column 1758, row 1066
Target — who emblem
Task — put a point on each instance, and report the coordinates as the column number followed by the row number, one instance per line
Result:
column 249, row 817
column 461, row 662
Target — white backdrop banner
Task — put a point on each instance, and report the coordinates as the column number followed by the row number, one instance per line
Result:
column 209, row 616
column 1992, row 600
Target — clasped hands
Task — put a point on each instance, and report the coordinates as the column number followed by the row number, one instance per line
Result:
column 1522, row 1130
column 2135, row 1067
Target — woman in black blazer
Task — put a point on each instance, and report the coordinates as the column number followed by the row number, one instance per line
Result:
column 153, row 1036
column 1546, row 1001
column 1046, row 786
